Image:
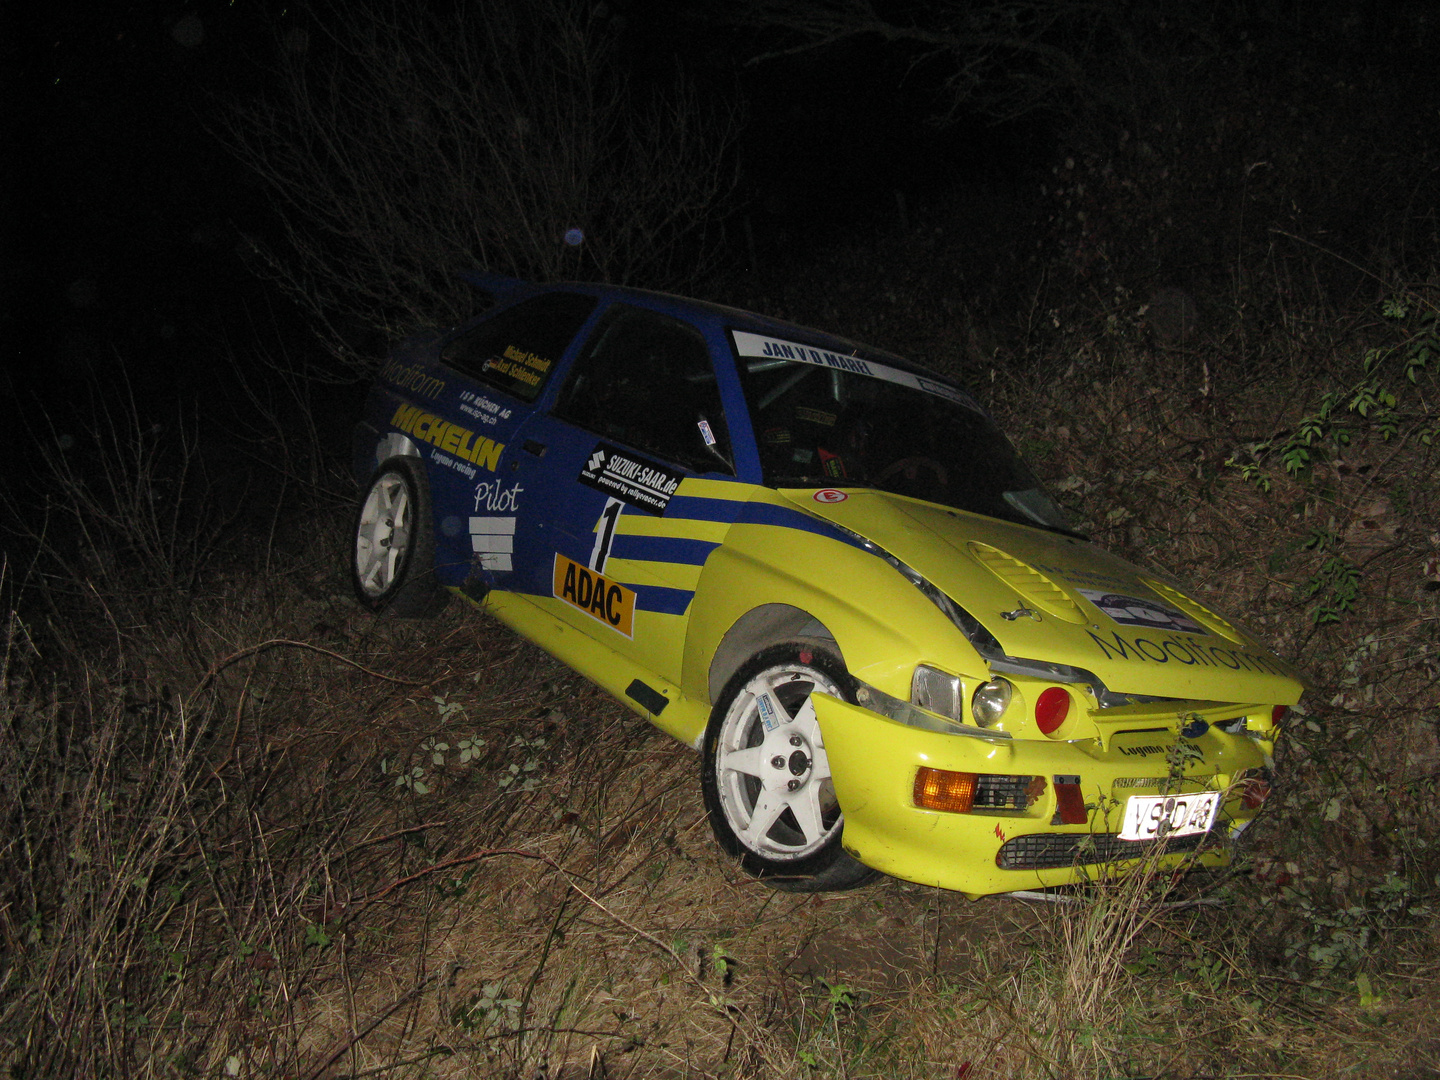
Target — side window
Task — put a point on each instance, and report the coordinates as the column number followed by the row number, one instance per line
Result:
column 517, row 349
column 646, row 380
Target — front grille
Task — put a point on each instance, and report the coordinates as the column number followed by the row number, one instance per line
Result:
column 1050, row 851
column 997, row 791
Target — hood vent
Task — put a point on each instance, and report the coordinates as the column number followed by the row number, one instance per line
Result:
column 1033, row 586
column 1196, row 610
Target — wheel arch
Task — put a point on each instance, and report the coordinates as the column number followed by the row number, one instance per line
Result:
column 757, row 629
column 392, row 445
column 769, row 588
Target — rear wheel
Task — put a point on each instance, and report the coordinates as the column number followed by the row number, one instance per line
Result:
column 766, row 778
column 393, row 558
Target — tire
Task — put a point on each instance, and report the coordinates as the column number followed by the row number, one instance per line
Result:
column 782, row 822
column 392, row 561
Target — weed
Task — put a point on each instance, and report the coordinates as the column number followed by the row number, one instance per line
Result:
column 485, row 1009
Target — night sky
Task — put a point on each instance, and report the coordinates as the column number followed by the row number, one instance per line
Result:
column 123, row 214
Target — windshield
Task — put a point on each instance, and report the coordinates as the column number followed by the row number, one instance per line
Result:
column 824, row 419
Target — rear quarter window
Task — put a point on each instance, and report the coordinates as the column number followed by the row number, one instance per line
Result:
column 517, row 350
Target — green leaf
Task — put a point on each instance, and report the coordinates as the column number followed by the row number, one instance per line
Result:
column 1368, row 997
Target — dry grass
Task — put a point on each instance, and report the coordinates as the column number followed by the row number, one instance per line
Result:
column 332, row 923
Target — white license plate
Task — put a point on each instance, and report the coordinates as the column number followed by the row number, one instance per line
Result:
column 1149, row 817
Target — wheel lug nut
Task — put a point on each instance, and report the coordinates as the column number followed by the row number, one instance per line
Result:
column 792, row 785
column 795, row 740
column 777, row 762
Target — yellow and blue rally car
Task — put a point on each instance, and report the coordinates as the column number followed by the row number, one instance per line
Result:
column 826, row 569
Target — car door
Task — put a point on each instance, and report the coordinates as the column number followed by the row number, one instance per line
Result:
column 637, row 429
column 502, row 366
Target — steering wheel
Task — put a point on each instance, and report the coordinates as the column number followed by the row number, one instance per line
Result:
column 910, row 466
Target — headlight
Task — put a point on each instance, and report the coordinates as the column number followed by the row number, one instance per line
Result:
column 938, row 691
column 990, row 701
column 912, row 715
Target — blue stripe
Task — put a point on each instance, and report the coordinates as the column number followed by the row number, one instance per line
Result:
column 660, row 598
column 697, row 509
column 785, row 518
column 671, row 549
column 753, row 513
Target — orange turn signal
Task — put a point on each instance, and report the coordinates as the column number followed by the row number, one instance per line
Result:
column 940, row 789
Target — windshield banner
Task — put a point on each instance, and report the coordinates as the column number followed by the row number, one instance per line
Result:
column 760, row 347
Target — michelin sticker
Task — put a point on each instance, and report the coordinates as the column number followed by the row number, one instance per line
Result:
column 1132, row 611
column 633, row 480
column 451, row 441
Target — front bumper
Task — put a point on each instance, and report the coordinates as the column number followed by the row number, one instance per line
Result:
column 874, row 761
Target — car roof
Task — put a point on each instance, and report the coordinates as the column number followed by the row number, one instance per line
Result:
column 504, row 289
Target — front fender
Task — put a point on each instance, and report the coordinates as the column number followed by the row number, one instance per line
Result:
column 882, row 624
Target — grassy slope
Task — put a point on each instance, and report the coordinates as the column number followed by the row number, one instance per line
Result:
column 253, row 831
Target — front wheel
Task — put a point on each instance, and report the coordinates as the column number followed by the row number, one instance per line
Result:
column 766, row 778
column 392, row 562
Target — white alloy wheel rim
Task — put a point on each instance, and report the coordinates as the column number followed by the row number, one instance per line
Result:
column 772, row 774
column 384, row 534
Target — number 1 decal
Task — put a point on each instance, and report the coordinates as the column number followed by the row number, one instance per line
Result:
column 605, row 534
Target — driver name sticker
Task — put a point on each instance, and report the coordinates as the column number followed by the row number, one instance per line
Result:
column 760, row 347
column 596, row 595
column 1132, row 611
column 633, row 480
column 829, row 495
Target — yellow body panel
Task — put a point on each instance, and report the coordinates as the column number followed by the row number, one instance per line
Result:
column 874, row 760
column 545, row 622
column 1029, row 587
column 884, row 626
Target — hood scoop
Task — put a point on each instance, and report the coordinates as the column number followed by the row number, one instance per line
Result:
column 1196, row 610
column 1034, row 587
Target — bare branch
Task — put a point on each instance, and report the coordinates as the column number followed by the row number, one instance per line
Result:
column 403, row 146
column 1004, row 59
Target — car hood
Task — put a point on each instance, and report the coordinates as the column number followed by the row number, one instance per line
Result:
column 1055, row 598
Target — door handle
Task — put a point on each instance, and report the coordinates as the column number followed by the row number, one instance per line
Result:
column 536, row 448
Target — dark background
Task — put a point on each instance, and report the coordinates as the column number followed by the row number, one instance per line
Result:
column 122, row 214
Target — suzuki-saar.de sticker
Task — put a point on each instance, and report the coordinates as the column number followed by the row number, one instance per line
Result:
column 633, row 480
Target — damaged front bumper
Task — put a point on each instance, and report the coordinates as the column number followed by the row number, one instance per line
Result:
column 1039, row 811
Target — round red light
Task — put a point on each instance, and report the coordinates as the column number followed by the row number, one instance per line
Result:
column 1278, row 714
column 1051, row 708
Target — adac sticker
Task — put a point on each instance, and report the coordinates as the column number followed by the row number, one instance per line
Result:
column 829, row 495
column 633, row 480
column 602, row 599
